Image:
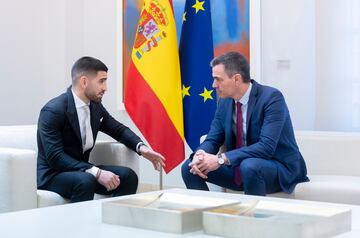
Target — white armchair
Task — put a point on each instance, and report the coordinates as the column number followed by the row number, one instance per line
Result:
column 332, row 160
column 18, row 152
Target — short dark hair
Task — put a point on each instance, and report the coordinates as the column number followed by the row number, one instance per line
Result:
column 87, row 66
column 234, row 63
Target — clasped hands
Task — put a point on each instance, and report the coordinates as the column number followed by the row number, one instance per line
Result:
column 203, row 163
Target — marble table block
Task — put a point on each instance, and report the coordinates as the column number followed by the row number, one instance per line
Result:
column 166, row 212
column 275, row 219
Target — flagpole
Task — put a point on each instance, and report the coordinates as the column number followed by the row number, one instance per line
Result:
column 161, row 178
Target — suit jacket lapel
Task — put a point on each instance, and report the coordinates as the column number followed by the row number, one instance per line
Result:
column 94, row 119
column 72, row 114
column 252, row 101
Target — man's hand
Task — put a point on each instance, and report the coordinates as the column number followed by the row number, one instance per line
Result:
column 197, row 159
column 109, row 180
column 203, row 163
column 208, row 164
column 154, row 157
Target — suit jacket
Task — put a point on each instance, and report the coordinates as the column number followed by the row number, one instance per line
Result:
column 269, row 135
column 59, row 139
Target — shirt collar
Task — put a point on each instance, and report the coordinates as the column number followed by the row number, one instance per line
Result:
column 245, row 98
column 78, row 102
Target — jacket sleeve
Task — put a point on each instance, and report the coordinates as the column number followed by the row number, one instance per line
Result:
column 216, row 136
column 118, row 131
column 275, row 115
column 49, row 128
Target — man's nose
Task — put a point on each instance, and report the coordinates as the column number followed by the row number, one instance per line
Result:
column 214, row 84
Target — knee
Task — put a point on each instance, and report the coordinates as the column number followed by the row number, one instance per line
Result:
column 128, row 183
column 86, row 182
column 185, row 169
column 132, row 177
column 249, row 168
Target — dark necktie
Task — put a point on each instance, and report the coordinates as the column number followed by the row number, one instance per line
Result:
column 239, row 126
column 239, row 141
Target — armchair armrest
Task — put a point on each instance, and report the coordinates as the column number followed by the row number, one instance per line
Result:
column 18, row 179
column 114, row 153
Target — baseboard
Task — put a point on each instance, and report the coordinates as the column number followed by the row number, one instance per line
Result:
column 145, row 187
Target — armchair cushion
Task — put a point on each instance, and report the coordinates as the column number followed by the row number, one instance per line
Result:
column 18, row 152
column 104, row 153
column 330, row 188
column 20, row 137
column 47, row 198
column 114, row 153
column 18, row 179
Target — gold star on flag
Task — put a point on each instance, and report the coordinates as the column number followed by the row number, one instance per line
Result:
column 184, row 17
column 198, row 6
column 206, row 94
column 185, row 91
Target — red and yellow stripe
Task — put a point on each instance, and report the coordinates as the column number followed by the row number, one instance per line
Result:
column 153, row 95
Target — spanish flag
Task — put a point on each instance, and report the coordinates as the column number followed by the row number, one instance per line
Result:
column 153, row 96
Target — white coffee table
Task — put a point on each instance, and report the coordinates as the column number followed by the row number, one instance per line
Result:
column 84, row 220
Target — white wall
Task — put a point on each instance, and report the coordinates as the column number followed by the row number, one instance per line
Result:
column 32, row 67
column 311, row 51
column 288, row 55
column 40, row 41
column 338, row 65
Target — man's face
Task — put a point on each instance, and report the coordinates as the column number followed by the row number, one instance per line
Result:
column 96, row 86
column 224, row 85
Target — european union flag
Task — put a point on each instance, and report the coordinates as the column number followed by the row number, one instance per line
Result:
column 196, row 52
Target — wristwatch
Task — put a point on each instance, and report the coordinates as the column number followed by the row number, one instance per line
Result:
column 221, row 160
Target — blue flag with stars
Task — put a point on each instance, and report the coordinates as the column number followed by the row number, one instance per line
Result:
column 196, row 52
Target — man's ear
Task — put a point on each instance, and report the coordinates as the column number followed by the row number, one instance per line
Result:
column 83, row 81
column 238, row 78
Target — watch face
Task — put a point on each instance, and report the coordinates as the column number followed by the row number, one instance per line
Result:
column 221, row 161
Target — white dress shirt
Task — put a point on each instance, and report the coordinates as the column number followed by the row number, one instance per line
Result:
column 83, row 112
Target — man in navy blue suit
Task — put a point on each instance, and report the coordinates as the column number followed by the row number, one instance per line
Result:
column 67, row 130
column 253, row 124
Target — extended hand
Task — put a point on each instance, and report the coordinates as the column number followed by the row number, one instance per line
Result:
column 109, row 180
column 154, row 157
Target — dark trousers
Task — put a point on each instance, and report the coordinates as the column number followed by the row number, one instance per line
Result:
column 259, row 177
column 81, row 186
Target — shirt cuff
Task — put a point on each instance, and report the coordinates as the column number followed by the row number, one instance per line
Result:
column 138, row 147
column 93, row 170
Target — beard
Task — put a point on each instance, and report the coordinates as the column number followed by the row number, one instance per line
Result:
column 93, row 96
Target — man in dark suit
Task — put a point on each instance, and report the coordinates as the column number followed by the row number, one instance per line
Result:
column 67, row 130
column 253, row 123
